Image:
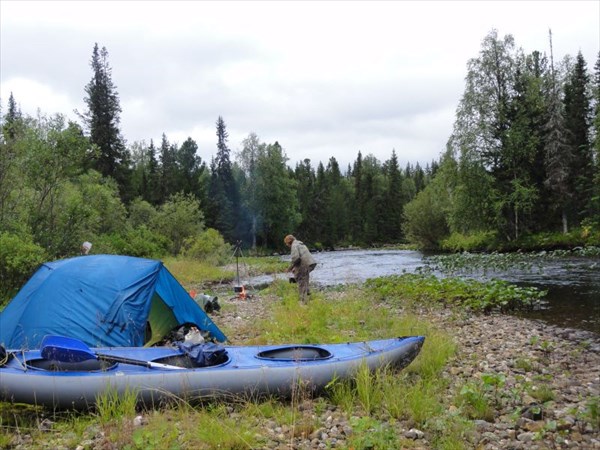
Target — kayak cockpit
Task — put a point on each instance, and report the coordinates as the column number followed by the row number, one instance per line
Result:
column 94, row 365
column 91, row 365
column 187, row 362
column 295, row 353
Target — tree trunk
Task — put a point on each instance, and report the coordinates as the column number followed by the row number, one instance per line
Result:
column 516, row 223
column 254, row 233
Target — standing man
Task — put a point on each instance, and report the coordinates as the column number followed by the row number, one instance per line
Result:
column 301, row 266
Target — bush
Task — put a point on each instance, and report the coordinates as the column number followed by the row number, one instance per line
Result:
column 180, row 219
column 546, row 241
column 140, row 242
column 141, row 213
column 208, row 246
column 19, row 257
column 457, row 242
column 426, row 223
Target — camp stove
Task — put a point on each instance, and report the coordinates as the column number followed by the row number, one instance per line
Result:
column 239, row 289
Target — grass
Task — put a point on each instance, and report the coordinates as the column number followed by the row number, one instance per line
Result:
column 189, row 271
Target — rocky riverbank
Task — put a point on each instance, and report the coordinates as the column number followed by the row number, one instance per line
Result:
column 545, row 382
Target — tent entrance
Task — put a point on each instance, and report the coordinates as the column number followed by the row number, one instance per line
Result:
column 161, row 321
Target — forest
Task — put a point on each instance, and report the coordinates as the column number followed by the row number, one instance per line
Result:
column 520, row 170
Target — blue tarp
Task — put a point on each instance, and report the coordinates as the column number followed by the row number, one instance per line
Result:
column 103, row 300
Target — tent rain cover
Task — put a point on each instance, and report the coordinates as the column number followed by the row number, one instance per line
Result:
column 103, row 300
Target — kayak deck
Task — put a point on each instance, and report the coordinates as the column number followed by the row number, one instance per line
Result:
column 258, row 370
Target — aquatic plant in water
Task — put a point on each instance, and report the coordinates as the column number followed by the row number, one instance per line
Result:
column 466, row 262
column 474, row 295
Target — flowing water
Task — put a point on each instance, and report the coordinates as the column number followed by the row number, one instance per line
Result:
column 573, row 284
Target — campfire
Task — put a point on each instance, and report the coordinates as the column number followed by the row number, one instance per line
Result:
column 241, row 292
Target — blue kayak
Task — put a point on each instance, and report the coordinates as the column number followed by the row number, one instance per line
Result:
column 155, row 374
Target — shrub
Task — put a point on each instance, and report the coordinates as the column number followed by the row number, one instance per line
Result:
column 458, row 242
column 208, row 246
column 141, row 213
column 140, row 242
column 180, row 218
column 19, row 257
column 425, row 217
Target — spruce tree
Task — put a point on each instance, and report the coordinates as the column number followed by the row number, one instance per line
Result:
column 12, row 120
column 168, row 169
column 153, row 192
column 391, row 229
column 223, row 190
column 358, row 211
column 305, row 177
column 189, row 166
column 578, row 125
column 336, row 214
column 102, row 121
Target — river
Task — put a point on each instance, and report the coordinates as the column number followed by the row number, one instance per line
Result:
column 573, row 284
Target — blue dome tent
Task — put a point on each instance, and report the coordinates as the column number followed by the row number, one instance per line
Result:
column 102, row 300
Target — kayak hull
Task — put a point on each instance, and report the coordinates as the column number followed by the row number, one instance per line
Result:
column 253, row 371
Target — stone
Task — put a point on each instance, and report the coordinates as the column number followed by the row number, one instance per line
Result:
column 526, row 437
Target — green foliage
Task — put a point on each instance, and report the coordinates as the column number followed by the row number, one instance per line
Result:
column 475, row 402
column 265, row 264
column 344, row 314
column 425, row 217
column 19, row 257
column 102, row 121
column 470, row 294
column 140, row 242
column 479, row 397
column 208, row 246
column 592, row 412
column 373, row 434
column 100, row 197
column 160, row 436
column 542, row 393
column 467, row 262
column 519, row 162
column 437, row 350
column 216, row 427
column 112, row 405
column 276, row 196
column 524, row 364
column 368, row 392
column 140, row 212
column 476, row 241
column 191, row 272
column 179, row 219
column 417, row 399
column 484, row 263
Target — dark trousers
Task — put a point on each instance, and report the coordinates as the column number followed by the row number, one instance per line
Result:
column 302, row 277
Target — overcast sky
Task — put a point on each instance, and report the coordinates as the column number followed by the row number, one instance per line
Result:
column 321, row 78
